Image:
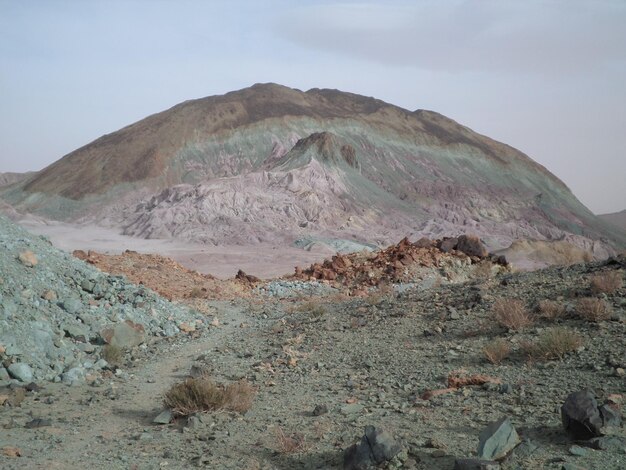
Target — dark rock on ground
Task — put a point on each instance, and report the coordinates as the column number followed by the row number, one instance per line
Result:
column 497, row 439
column 376, row 446
column 580, row 415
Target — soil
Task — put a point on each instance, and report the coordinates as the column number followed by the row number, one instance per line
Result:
column 369, row 360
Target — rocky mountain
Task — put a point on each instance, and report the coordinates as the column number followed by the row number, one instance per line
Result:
column 616, row 218
column 274, row 164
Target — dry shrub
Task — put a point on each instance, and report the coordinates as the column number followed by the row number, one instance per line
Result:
column 312, row 308
column 290, row 443
column 497, row 350
column 197, row 394
column 551, row 309
column 554, row 343
column 113, row 354
column 593, row 309
column 511, row 313
column 483, row 269
column 606, row 283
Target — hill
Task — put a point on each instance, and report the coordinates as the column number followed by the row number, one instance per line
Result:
column 616, row 218
column 274, row 164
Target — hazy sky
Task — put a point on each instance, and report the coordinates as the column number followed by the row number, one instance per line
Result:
column 547, row 77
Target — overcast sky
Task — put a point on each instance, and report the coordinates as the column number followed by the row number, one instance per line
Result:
column 547, row 77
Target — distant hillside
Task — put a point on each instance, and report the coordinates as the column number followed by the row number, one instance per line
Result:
column 274, row 164
column 617, row 218
column 10, row 177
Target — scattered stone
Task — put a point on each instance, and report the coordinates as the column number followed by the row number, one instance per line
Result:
column 580, row 415
column 608, row 443
column 352, row 409
column 38, row 423
column 32, row 387
column 571, row 466
column 476, row 464
column 497, row 439
column 71, row 305
column 124, row 335
column 578, row 451
column 610, row 416
column 28, row 258
column 526, row 449
column 376, row 446
column 12, row 452
column 49, row 295
column 320, row 410
column 164, row 417
column 21, row 372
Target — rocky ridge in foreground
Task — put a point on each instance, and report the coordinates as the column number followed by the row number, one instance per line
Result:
column 57, row 312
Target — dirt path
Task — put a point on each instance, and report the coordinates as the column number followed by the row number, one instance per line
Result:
column 89, row 423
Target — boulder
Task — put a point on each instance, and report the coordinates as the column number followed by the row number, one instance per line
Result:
column 472, row 246
column 448, row 244
column 580, row 415
column 124, row 335
column 21, row 372
column 497, row 440
column 376, row 446
column 28, row 258
column 423, row 243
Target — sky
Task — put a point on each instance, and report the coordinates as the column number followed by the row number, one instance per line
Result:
column 547, row 77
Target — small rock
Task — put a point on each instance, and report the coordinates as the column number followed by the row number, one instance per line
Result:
column 320, row 410
column 497, row 439
column 610, row 416
column 571, row 466
column 49, row 295
column 578, row 451
column 438, row 453
column 21, row 372
column 144, row 437
column 352, row 409
column 28, row 258
column 580, row 415
column 164, row 417
column 38, row 423
column 476, row 464
column 376, row 446
column 71, row 305
column 88, row 285
column 608, row 443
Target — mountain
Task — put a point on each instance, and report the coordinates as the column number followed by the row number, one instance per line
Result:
column 273, row 164
column 616, row 218
column 8, row 177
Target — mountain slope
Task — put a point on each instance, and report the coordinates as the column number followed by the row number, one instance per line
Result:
column 617, row 219
column 413, row 172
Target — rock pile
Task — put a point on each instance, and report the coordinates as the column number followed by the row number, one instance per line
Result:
column 164, row 275
column 56, row 312
column 398, row 263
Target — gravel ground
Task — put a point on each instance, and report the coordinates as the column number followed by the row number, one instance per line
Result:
column 367, row 360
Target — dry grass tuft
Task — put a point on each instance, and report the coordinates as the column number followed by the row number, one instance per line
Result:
column 551, row 309
column 313, row 308
column 483, row 270
column 290, row 443
column 511, row 313
column 199, row 394
column 114, row 355
column 554, row 343
column 593, row 309
column 497, row 350
column 606, row 283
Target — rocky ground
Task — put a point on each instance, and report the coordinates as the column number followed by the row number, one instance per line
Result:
column 406, row 358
